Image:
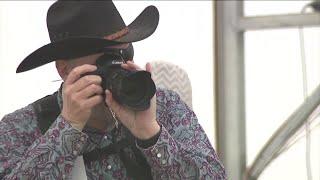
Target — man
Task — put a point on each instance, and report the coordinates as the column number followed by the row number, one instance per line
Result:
column 164, row 141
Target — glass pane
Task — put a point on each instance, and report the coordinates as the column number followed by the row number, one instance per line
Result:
column 292, row 163
column 259, row 8
column 274, row 90
column 312, row 53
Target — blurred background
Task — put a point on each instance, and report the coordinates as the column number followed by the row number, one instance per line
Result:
column 252, row 66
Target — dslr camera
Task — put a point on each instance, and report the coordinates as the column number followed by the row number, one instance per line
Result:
column 132, row 89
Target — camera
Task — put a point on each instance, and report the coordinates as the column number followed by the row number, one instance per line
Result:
column 132, row 89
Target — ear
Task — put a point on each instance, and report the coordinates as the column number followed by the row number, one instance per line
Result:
column 62, row 68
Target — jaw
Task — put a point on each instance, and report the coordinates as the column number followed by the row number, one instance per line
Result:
column 101, row 118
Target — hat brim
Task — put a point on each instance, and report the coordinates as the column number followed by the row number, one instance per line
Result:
column 142, row 27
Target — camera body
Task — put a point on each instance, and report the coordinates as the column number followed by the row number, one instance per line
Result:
column 132, row 89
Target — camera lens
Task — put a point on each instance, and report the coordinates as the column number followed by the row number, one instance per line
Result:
column 137, row 90
column 133, row 89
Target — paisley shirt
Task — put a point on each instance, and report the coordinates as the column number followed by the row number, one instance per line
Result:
column 182, row 150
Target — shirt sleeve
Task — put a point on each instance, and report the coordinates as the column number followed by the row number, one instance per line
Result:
column 26, row 154
column 182, row 150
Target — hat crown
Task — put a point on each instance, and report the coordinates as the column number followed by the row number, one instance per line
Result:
column 67, row 19
column 80, row 28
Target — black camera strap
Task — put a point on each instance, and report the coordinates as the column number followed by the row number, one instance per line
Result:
column 47, row 110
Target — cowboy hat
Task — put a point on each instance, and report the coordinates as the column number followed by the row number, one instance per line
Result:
column 80, row 28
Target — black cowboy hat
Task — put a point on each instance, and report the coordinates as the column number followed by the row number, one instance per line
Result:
column 80, row 28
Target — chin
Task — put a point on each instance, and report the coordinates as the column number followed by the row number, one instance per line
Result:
column 99, row 116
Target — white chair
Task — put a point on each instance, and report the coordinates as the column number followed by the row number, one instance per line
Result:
column 170, row 76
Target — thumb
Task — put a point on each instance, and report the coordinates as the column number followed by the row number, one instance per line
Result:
column 148, row 67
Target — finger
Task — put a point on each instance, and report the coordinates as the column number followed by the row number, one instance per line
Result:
column 111, row 102
column 86, row 81
column 76, row 73
column 127, row 67
column 93, row 101
column 134, row 66
column 89, row 91
column 109, row 98
column 148, row 67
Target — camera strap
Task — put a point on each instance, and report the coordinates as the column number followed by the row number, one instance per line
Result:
column 47, row 110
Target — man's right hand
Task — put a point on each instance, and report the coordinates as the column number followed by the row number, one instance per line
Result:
column 80, row 95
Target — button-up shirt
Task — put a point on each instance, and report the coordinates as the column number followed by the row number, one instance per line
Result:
column 182, row 150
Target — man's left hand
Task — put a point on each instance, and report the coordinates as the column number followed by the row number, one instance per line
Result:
column 142, row 124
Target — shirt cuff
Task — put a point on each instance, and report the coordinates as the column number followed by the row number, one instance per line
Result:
column 159, row 156
column 64, row 138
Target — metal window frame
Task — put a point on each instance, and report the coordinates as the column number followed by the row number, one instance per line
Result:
column 230, row 25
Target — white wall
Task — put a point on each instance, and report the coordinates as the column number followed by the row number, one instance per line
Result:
column 184, row 37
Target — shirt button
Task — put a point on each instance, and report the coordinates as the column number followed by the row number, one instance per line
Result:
column 159, row 155
column 155, row 150
column 82, row 139
column 109, row 167
column 63, row 176
column 163, row 161
column 75, row 153
column 105, row 137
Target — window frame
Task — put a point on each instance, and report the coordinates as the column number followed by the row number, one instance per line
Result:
column 231, row 24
